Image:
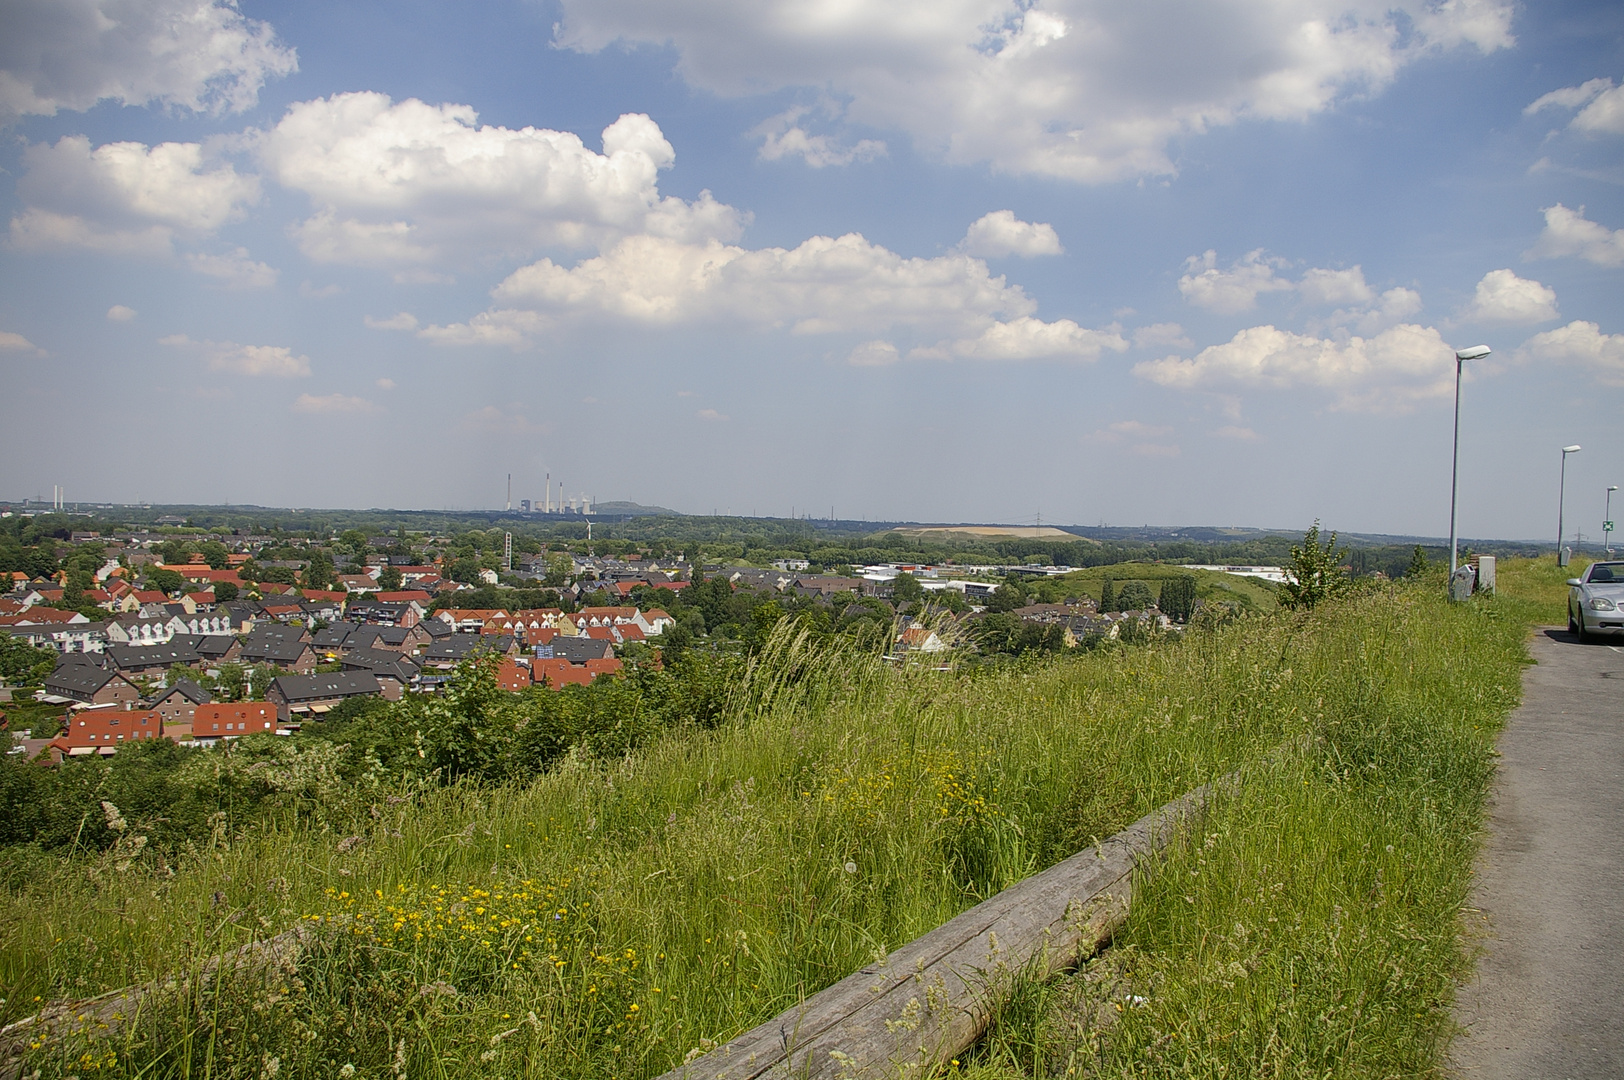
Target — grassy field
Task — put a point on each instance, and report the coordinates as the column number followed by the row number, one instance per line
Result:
column 616, row 915
column 1248, row 594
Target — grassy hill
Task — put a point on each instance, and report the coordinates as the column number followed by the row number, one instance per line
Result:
column 607, row 917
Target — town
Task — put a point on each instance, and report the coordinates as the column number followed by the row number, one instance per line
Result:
column 208, row 636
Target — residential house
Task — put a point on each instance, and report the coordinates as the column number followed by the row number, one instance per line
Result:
column 470, row 620
column 580, row 650
column 300, row 695
column 393, row 671
column 382, row 612
column 64, row 637
column 103, row 731
column 288, row 650
column 213, row 722
column 513, row 676
column 91, row 685
column 150, row 659
column 451, row 651
column 826, row 584
column 178, row 703
column 212, row 649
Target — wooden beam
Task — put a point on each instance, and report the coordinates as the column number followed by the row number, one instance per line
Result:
column 931, row 999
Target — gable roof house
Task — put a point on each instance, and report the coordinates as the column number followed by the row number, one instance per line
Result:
column 210, row 648
column 145, row 659
column 91, row 685
column 579, row 650
column 302, row 694
column 448, row 652
column 213, row 722
column 393, row 671
column 289, row 649
column 180, row 702
column 103, row 731
column 64, row 637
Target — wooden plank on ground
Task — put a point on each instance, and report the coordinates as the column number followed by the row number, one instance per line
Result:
column 931, row 999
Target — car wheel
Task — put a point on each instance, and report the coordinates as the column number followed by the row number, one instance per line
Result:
column 1573, row 627
column 1584, row 638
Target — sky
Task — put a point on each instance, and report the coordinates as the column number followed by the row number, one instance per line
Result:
column 1070, row 261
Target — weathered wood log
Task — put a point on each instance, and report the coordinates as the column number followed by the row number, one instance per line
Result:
column 931, row 999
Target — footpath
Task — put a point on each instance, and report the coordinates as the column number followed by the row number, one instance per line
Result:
column 1547, row 910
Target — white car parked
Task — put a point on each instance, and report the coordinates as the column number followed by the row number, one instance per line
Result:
column 1596, row 601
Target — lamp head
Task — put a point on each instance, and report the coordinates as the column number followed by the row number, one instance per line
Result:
column 1476, row 352
column 1572, row 449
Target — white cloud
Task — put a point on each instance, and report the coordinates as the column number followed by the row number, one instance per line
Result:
column 124, row 198
column 1569, row 232
column 14, row 342
column 1026, row 338
column 1603, row 106
column 120, row 313
column 409, row 184
column 711, row 415
column 1329, row 287
column 1001, row 233
column 201, row 55
column 386, row 384
column 1090, row 90
column 1503, row 297
column 1231, row 291
column 404, row 320
column 1138, row 436
column 782, row 136
column 1581, row 344
column 311, row 291
column 275, row 361
column 236, row 269
column 1388, row 372
column 1392, row 307
column 1238, row 433
column 874, row 354
column 1161, row 336
column 506, row 326
column 823, row 285
column 332, row 403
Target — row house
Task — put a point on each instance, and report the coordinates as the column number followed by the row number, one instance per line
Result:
column 92, row 685
column 290, row 651
column 301, row 695
column 103, row 731
column 212, row 722
column 393, row 671
column 65, row 638
column 150, row 659
column 179, row 703
column 555, row 674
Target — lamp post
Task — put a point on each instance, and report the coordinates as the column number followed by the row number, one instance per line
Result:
column 1476, row 352
column 1607, row 522
column 1561, row 498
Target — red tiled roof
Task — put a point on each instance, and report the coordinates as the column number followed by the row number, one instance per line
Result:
column 323, row 594
column 402, row 596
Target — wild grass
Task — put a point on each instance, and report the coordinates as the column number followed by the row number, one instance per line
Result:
column 1311, row 927
column 614, row 916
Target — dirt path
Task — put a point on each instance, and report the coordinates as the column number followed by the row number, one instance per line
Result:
column 1547, row 999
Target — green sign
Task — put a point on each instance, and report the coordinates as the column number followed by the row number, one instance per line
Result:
column 1607, row 526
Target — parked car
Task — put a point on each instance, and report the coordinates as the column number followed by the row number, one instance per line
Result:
column 1596, row 601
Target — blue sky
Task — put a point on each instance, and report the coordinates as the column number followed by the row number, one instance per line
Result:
column 1173, row 262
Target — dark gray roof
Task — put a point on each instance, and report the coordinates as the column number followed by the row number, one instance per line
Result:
column 461, row 646
column 275, row 649
column 90, row 658
column 187, row 689
column 578, row 650
column 297, row 688
column 334, row 635
column 382, row 663
column 70, row 679
column 126, row 657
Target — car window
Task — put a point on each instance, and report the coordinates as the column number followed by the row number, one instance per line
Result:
column 1601, row 572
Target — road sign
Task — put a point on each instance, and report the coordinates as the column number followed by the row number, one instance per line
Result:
column 1607, row 526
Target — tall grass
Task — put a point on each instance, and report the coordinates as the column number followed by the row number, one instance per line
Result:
column 1311, row 927
column 613, row 916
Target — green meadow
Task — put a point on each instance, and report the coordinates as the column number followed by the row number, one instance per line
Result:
column 620, row 912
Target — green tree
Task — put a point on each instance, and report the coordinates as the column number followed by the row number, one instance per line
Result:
column 175, row 551
column 907, row 590
column 225, row 592
column 1135, row 596
column 1007, row 597
column 353, row 540
column 389, row 580
column 214, row 553
column 1315, row 574
column 559, row 569
column 1177, row 600
column 318, row 573
column 1418, row 563
column 1108, row 600
column 168, row 581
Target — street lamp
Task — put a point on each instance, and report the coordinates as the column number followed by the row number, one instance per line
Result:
column 1476, row 352
column 1561, row 498
column 1607, row 523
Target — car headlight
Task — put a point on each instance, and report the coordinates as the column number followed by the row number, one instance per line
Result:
column 1601, row 603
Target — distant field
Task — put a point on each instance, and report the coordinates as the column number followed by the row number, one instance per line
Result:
column 1019, row 532
column 1251, row 593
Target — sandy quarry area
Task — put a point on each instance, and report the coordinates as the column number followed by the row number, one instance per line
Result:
column 1022, row 532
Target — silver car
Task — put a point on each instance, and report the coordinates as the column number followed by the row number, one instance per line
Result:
column 1596, row 601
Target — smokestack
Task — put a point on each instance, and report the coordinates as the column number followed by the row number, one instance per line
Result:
column 549, row 493
column 510, row 492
